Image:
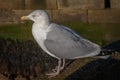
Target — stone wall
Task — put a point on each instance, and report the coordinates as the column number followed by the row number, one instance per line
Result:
column 104, row 16
column 52, row 4
column 57, row 4
column 62, row 10
column 81, row 4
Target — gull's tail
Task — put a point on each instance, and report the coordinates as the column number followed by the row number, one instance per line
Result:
column 110, row 49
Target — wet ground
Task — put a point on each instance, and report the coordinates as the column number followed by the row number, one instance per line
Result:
column 100, row 69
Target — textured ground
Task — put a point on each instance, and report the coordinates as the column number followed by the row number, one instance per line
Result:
column 26, row 61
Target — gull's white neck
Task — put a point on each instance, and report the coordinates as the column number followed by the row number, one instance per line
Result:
column 39, row 30
column 42, row 24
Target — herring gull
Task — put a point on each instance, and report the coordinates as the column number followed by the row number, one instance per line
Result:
column 59, row 41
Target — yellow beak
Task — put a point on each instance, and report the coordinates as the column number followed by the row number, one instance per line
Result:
column 24, row 18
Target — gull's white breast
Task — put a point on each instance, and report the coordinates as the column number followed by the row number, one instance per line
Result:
column 40, row 35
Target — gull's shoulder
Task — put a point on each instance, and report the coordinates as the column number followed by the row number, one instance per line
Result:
column 58, row 27
column 61, row 27
column 54, row 25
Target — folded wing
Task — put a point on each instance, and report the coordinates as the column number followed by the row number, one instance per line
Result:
column 65, row 43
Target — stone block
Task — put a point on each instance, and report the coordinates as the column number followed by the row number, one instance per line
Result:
column 51, row 4
column 7, row 16
column 35, row 4
column 115, row 4
column 14, row 4
column 69, row 15
column 104, row 16
column 95, row 4
column 81, row 4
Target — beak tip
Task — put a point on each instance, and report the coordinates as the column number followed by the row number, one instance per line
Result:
column 24, row 18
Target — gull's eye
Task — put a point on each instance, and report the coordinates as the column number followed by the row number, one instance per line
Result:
column 40, row 13
column 33, row 15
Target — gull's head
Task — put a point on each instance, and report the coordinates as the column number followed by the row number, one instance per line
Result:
column 40, row 16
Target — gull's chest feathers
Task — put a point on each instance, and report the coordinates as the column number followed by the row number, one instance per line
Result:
column 39, row 32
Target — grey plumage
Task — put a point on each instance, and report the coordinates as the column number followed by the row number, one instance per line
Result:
column 64, row 43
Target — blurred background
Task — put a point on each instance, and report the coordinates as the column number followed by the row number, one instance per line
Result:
column 100, row 11
column 89, row 18
column 96, row 20
column 82, row 10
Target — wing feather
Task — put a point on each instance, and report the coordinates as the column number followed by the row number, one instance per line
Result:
column 65, row 43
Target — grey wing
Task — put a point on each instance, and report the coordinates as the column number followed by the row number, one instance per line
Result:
column 65, row 43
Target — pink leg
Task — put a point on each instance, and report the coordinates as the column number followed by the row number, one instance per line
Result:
column 61, row 67
column 57, row 69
